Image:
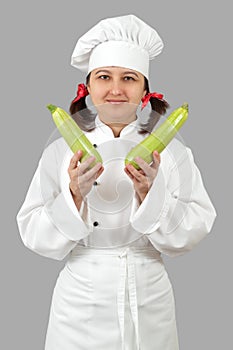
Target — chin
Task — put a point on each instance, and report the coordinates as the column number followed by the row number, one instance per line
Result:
column 120, row 112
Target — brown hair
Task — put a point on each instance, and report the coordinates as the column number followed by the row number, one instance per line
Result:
column 85, row 118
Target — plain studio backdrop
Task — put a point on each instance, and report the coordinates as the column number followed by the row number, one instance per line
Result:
column 37, row 39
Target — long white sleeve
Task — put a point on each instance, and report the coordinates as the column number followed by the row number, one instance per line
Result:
column 46, row 223
column 177, row 212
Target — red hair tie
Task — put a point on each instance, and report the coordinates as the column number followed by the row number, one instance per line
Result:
column 148, row 96
column 81, row 92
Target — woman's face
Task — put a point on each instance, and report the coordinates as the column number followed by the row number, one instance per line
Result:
column 116, row 92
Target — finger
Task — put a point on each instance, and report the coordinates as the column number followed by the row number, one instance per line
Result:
column 141, row 171
column 134, row 172
column 99, row 172
column 84, row 166
column 156, row 160
column 91, row 173
column 75, row 159
column 145, row 167
column 128, row 173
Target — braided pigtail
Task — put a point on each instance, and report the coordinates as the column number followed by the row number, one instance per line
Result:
column 83, row 116
column 158, row 107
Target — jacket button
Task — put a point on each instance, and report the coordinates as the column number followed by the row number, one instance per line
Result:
column 95, row 145
column 95, row 223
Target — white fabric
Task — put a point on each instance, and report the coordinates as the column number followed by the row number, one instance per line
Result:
column 124, row 41
column 119, row 54
column 89, row 309
column 95, row 304
column 127, row 269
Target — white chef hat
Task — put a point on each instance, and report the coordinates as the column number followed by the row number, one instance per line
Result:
column 124, row 41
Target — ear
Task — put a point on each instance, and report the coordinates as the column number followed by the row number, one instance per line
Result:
column 144, row 93
column 88, row 88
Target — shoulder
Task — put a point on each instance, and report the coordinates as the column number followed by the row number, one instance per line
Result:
column 59, row 145
column 176, row 153
column 177, row 146
column 55, row 151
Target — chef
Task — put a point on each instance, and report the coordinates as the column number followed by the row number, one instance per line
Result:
column 113, row 222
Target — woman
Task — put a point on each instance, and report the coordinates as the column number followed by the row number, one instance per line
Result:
column 111, row 221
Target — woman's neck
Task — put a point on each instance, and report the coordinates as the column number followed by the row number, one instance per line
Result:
column 117, row 127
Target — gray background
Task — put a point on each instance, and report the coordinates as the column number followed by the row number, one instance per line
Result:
column 37, row 39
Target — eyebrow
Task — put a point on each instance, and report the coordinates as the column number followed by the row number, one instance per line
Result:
column 109, row 72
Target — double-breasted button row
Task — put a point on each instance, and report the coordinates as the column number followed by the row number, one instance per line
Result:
column 95, row 223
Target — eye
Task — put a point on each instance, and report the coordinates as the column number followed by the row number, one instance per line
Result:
column 128, row 78
column 103, row 77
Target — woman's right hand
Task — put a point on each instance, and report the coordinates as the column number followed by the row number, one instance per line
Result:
column 81, row 177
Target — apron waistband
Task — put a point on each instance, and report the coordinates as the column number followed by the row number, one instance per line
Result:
column 136, row 251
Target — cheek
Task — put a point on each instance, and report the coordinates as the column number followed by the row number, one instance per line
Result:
column 96, row 94
column 136, row 96
column 137, row 92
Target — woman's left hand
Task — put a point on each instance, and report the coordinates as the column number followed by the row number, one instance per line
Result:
column 143, row 178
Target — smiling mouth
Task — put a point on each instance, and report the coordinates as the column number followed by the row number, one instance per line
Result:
column 116, row 102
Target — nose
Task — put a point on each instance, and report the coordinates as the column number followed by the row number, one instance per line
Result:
column 116, row 88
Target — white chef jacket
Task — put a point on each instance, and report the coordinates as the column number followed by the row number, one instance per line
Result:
column 175, row 215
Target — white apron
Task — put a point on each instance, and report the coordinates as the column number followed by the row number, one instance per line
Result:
column 119, row 299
